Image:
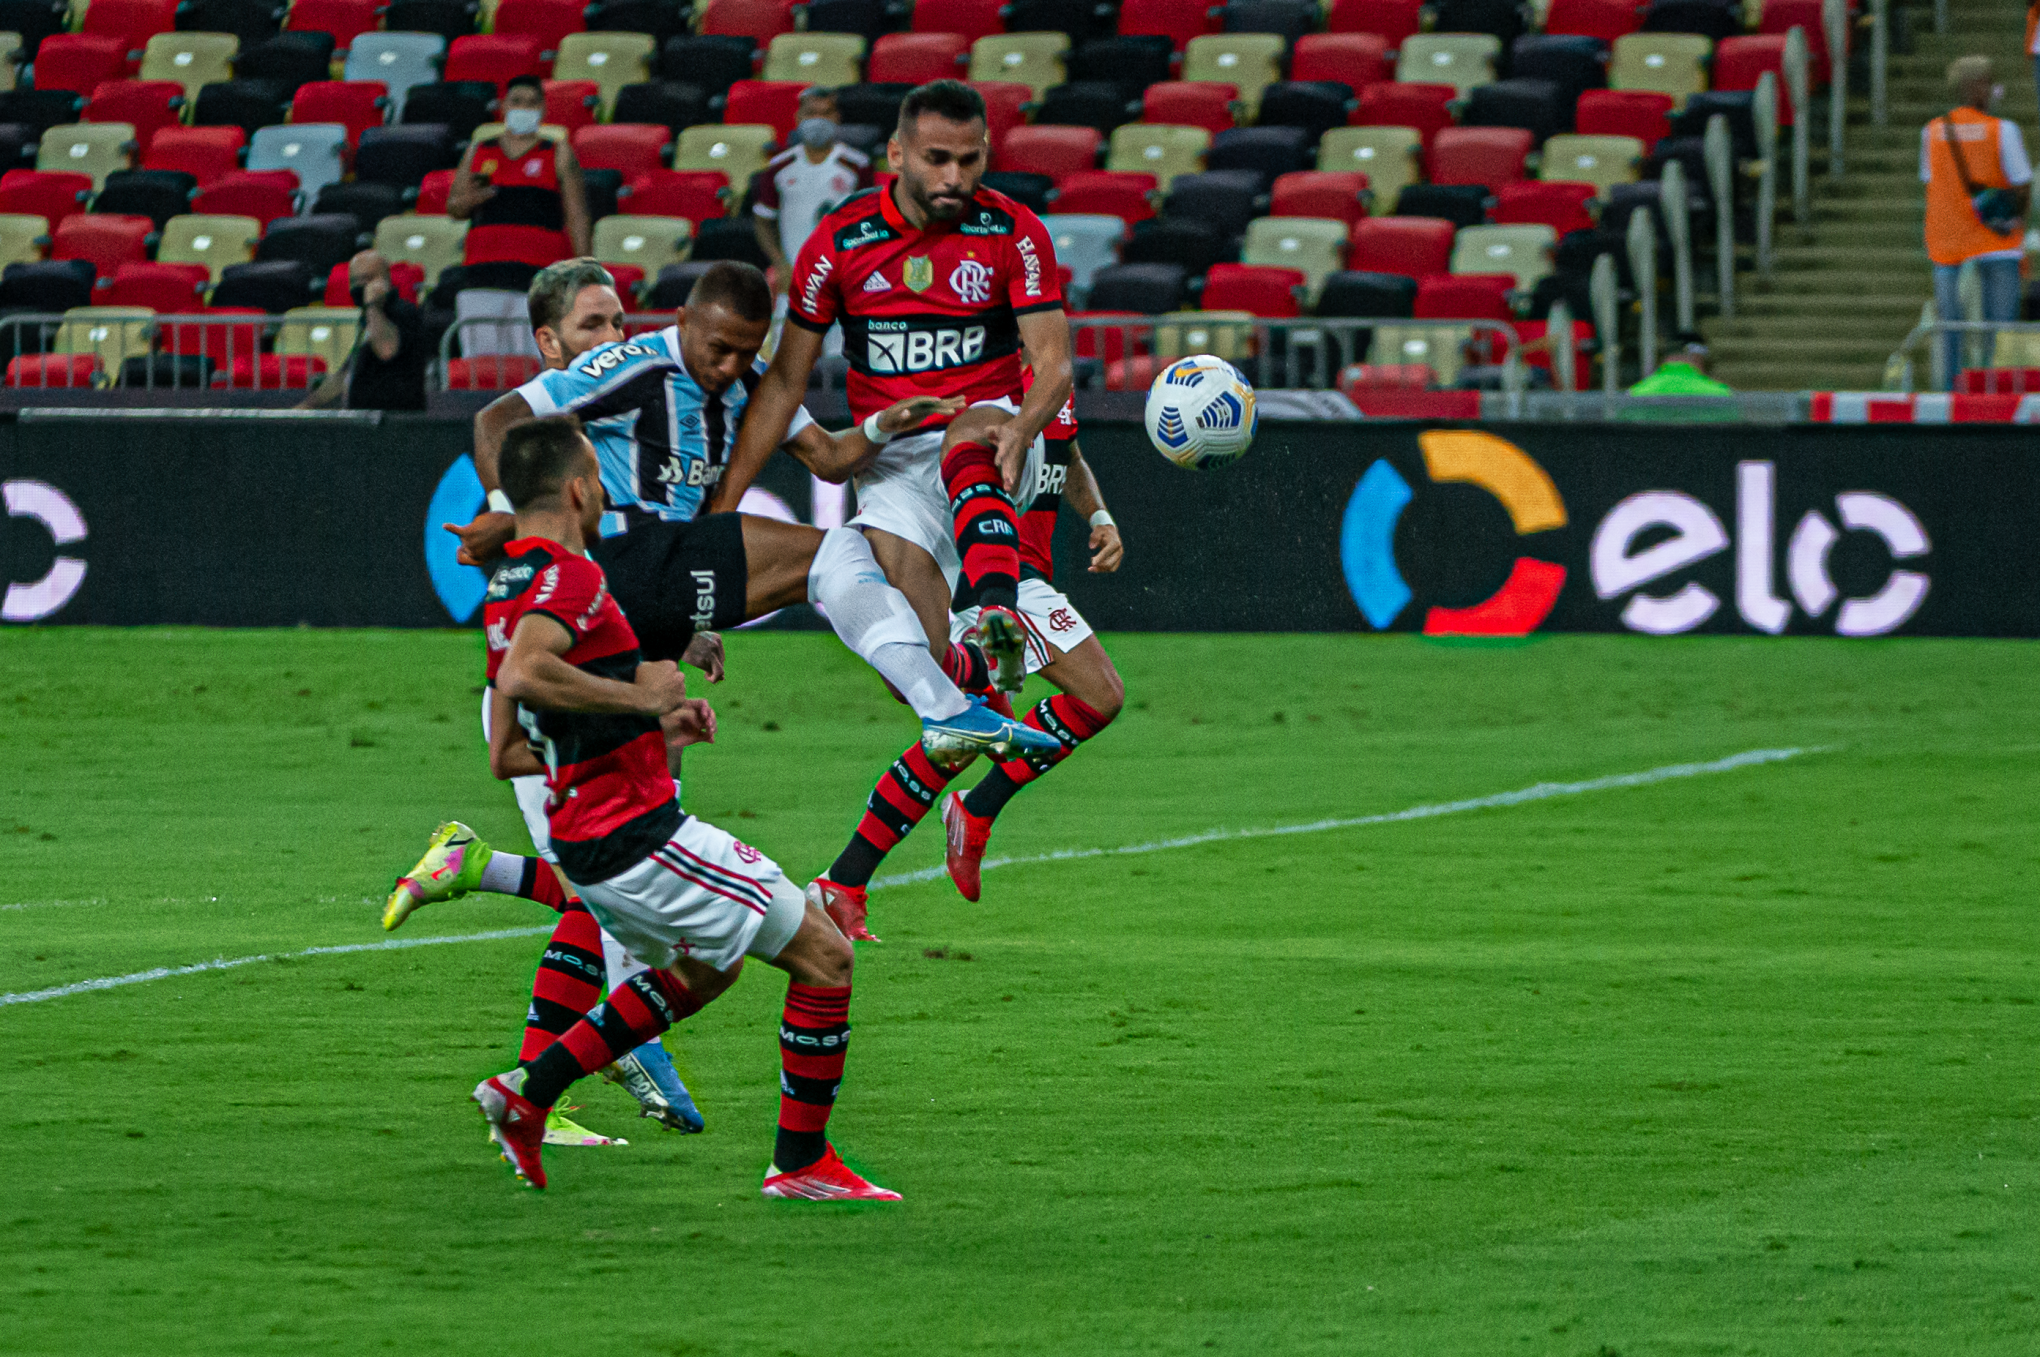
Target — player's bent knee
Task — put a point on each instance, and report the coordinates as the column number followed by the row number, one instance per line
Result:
column 973, row 426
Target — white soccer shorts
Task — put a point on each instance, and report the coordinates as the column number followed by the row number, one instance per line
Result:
column 701, row 895
column 1053, row 623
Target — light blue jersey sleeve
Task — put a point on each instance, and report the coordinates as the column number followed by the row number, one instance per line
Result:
column 608, row 380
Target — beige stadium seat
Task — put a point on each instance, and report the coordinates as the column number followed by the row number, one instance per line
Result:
column 1161, row 149
column 326, row 332
column 214, row 241
column 1388, row 156
column 815, row 58
column 10, row 47
column 1252, row 61
column 1668, row 63
column 1443, row 350
column 1222, row 334
column 1461, row 60
column 1600, row 161
column 1034, row 59
column 432, row 243
column 2015, row 349
column 611, row 60
column 737, row 149
column 23, row 237
column 97, row 149
column 651, row 243
column 114, row 333
column 191, row 59
column 1317, row 245
column 1522, row 250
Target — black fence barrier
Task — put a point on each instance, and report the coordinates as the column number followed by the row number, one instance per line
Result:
column 177, row 517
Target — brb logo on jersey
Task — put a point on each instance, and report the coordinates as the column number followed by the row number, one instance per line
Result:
column 893, row 351
column 972, row 283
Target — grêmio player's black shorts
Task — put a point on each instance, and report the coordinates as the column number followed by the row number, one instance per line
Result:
column 674, row 579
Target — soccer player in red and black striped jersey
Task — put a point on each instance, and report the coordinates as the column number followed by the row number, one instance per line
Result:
column 684, row 897
column 941, row 286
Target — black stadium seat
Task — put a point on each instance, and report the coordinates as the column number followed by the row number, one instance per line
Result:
column 40, row 109
column 868, row 19
column 1150, row 289
column 1088, row 103
column 246, row 104
column 1080, row 19
column 179, row 371
column 1316, row 106
column 1503, row 18
column 728, row 238
column 404, row 155
column 1460, row 204
column 34, row 20
column 1029, row 190
column 289, row 59
column 673, row 104
column 274, row 285
column 56, row 285
column 1573, row 62
column 1138, row 60
column 1368, row 296
column 1715, row 19
column 251, row 21
column 875, row 104
column 1537, row 106
column 156, row 194
column 318, row 242
column 1191, row 246
column 367, row 203
column 1738, row 106
column 18, row 143
column 1224, row 200
column 1270, row 152
column 601, row 188
column 460, row 105
column 675, row 282
column 661, row 19
column 712, row 61
column 1291, row 19
column 450, row 19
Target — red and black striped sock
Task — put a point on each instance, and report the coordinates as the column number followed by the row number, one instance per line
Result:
column 814, row 1035
column 568, row 983
column 967, row 667
column 1069, row 720
column 902, row 796
column 542, row 883
column 987, row 528
column 634, row 1014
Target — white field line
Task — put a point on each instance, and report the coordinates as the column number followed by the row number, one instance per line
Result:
column 1543, row 791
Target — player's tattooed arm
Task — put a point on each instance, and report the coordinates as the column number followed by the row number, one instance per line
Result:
column 835, row 458
column 769, row 414
column 1045, row 335
column 535, row 674
column 482, row 541
column 1082, row 493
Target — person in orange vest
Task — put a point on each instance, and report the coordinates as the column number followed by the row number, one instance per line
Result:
column 1978, row 184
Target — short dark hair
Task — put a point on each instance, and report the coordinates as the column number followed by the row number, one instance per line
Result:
column 537, row 457
column 739, row 286
column 525, row 82
column 553, row 291
column 948, row 99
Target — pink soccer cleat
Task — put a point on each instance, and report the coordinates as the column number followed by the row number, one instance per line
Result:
column 516, row 1123
column 968, row 835
column 844, row 904
column 828, row 1179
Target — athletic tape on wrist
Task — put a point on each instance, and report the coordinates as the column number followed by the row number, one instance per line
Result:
column 878, row 436
column 500, row 502
column 1102, row 519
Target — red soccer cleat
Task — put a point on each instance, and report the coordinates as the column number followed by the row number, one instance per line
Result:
column 516, row 1123
column 844, row 904
column 968, row 835
column 828, row 1179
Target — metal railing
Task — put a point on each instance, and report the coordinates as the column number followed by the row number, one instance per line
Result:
column 164, row 352
column 1981, row 346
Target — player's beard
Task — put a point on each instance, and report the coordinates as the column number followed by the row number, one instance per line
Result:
column 941, row 209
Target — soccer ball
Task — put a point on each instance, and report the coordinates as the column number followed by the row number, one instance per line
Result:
column 1200, row 413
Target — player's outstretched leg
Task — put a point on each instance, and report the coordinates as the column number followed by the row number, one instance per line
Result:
column 987, row 543
column 647, row 1073
column 903, row 795
column 567, row 984
column 456, row 862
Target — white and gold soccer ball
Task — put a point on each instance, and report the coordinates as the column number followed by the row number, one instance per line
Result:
column 1200, row 413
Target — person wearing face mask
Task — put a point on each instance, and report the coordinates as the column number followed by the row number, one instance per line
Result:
column 803, row 183
column 386, row 371
column 521, row 178
column 1979, row 183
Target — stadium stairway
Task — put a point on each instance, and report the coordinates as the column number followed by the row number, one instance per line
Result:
column 1848, row 286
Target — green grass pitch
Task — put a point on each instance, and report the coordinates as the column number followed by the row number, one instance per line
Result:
column 1741, row 1063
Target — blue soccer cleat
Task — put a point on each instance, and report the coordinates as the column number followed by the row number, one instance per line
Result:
column 978, row 729
column 647, row 1074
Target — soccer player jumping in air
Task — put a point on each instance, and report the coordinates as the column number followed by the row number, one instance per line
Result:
column 683, row 896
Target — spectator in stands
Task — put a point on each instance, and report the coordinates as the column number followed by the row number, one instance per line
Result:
column 1682, row 374
column 521, row 179
column 803, row 183
column 386, row 371
column 1978, row 185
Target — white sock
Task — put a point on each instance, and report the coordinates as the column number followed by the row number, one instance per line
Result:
column 875, row 620
column 503, row 873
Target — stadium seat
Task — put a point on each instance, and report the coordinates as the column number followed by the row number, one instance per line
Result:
column 1575, row 64
column 18, row 143
column 23, row 237
column 1251, row 61
column 873, row 105
column 397, row 61
column 1005, row 109
column 53, row 285
column 12, row 55
column 52, row 197
column 212, row 241
column 533, row 245
column 92, row 149
column 131, row 22
column 1737, row 106
column 1084, row 243
column 433, row 191
column 1145, row 289
column 1337, row 194
column 1286, row 19
column 916, row 58
column 1642, row 114
column 1316, row 245
column 345, row 20
column 1390, row 20
column 1191, row 246
column 659, row 20
column 769, row 103
column 1603, row 19
column 1030, row 190
column 714, row 62
column 1503, row 20
column 674, row 105
column 630, row 148
column 1116, row 193
column 461, row 107
column 1224, row 334
column 156, row 194
column 727, row 238
column 37, row 371
column 1601, row 161
column 1460, row 204
column 1479, row 155
column 1173, row 19
column 1523, row 250
column 1270, row 152
column 1313, row 107
column 1461, row 60
column 494, row 58
column 1031, row 59
column 1467, row 296
column 1159, row 149
column 317, row 242
column 1740, row 62
column 315, row 152
column 148, row 106
column 404, row 155
column 367, row 203
column 1224, row 200
column 759, row 20
column 1079, row 19
column 1427, row 108
column 1357, row 295
column 1264, row 290
column 491, row 372
column 112, row 334
column 972, row 19
column 815, row 58
column 1388, row 156
column 674, row 283
column 738, row 150
column 1053, row 151
column 1781, row 16
column 246, row 104
column 1538, row 107
column 265, row 195
column 1190, row 103
column 447, row 19
column 611, row 60
column 1133, row 62
column 251, row 22
column 547, row 22
column 274, row 285
column 1710, row 19
column 79, row 62
column 205, row 153
column 40, row 109
column 1667, row 63
column 193, row 60
column 693, row 194
column 1413, row 247
column 1355, row 60
column 405, row 276
column 433, row 244
column 356, row 105
column 650, row 243
column 33, row 21
column 269, row 372
column 1097, row 104
column 572, row 104
column 1561, row 206
column 102, row 240
column 865, row 18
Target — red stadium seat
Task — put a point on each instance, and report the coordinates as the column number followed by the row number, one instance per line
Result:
column 1781, row 16
column 405, row 276
column 1410, row 246
column 1465, row 296
column 1492, row 156
column 1053, row 151
column 1603, row 19
column 1319, row 193
column 1355, row 60
column 696, row 195
column 130, row 22
column 41, row 193
column 168, row 289
column 1643, row 114
column 630, row 148
column 1530, row 331
column 432, row 193
column 221, row 343
column 759, row 20
column 1005, row 104
column 270, row 372
column 344, row 19
column 204, row 152
column 773, row 102
column 1739, row 62
column 79, row 62
column 543, row 21
column 1559, row 205
column 264, row 195
column 492, row 372
column 1107, row 193
column 1190, row 103
column 1106, row 342
column 1173, row 19
column 148, row 106
column 516, row 245
column 53, row 369
column 571, row 103
column 1393, row 20
column 492, row 58
column 355, row 104
column 1259, row 289
column 1428, row 108
column 630, row 280
column 104, row 241
column 917, row 58
column 968, row 19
